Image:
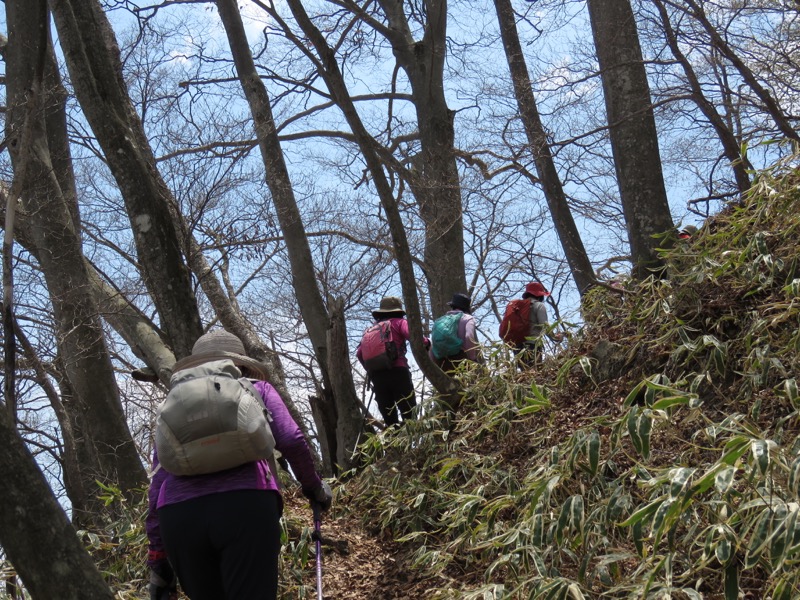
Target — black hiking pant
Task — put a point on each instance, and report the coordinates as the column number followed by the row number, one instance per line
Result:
column 394, row 390
column 225, row 546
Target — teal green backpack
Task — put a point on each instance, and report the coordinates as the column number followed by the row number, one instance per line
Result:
column 444, row 336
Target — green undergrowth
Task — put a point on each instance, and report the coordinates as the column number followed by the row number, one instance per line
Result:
column 119, row 547
column 667, row 466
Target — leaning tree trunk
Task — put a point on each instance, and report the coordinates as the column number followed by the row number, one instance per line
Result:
column 304, row 280
column 632, row 128
column 568, row 234
column 92, row 57
column 328, row 69
column 144, row 339
column 80, row 342
column 35, row 533
column 143, row 188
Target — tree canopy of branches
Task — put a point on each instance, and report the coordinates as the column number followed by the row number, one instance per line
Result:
column 277, row 168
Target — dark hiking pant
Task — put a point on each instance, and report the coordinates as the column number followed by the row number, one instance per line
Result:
column 225, row 546
column 450, row 363
column 394, row 390
column 530, row 355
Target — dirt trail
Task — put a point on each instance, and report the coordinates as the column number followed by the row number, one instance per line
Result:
column 357, row 565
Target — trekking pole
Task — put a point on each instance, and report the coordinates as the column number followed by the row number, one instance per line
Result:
column 317, row 508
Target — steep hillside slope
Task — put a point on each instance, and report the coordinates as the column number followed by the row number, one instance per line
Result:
column 656, row 457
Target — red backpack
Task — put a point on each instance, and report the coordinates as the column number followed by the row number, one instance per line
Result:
column 516, row 323
column 378, row 350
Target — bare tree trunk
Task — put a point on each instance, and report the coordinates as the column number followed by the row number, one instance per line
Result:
column 731, row 146
column 568, row 234
column 435, row 181
column 323, row 410
column 350, row 423
column 782, row 120
column 80, row 340
column 329, row 70
column 632, row 128
column 92, row 56
column 304, row 280
column 142, row 336
column 35, row 532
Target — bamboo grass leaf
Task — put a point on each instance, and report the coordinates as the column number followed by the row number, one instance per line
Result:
column 633, row 429
column 794, row 478
column 679, row 480
column 723, row 480
column 760, row 450
column 593, row 451
column 758, row 540
column 644, row 427
column 790, row 388
column 732, row 581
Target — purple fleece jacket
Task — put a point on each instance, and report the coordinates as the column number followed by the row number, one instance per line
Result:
column 166, row 488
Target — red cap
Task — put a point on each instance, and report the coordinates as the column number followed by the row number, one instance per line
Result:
column 536, row 289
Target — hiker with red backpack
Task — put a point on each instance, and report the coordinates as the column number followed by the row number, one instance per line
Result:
column 217, row 531
column 382, row 353
column 454, row 335
column 524, row 324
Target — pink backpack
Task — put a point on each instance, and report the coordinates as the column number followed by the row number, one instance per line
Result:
column 378, row 350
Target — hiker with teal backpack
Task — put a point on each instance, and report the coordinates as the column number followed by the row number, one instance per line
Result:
column 525, row 323
column 213, row 522
column 382, row 353
column 454, row 336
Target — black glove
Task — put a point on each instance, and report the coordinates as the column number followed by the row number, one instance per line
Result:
column 163, row 582
column 321, row 495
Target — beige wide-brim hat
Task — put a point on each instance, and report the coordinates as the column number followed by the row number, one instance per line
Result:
column 218, row 345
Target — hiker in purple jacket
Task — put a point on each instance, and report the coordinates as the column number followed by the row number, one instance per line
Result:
column 393, row 386
column 219, row 533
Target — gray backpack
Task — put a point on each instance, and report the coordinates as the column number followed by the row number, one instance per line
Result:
column 211, row 420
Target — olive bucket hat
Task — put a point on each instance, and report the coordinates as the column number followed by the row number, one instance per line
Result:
column 219, row 344
column 390, row 306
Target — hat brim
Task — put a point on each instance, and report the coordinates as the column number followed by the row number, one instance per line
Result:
column 258, row 368
column 384, row 313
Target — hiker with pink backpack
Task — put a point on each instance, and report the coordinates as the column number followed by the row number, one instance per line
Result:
column 382, row 353
column 525, row 323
